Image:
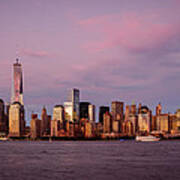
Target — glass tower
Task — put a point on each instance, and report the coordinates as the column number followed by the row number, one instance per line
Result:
column 17, row 85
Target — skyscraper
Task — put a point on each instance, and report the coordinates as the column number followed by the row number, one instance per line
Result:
column 84, row 109
column 117, row 109
column 102, row 111
column 72, row 105
column 17, row 86
column 16, row 110
column 92, row 113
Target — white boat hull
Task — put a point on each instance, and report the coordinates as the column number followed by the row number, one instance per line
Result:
column 147, row 138
column 3, row 139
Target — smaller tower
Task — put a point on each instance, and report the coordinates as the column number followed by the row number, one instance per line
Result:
column 158, row 109
column 44, row 122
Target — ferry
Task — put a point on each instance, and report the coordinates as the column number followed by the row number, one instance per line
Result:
column 4, row 139
column 148, row 138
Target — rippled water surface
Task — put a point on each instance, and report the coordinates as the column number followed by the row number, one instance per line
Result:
column 89, row 160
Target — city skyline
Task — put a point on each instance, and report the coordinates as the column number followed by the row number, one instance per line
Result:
column 92, row 48
column 89, row 89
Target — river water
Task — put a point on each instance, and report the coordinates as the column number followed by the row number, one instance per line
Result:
column 84, row 160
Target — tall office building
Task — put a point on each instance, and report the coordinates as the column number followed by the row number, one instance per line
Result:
column 72, row 106
column 16, row 109
column 17, row 86
column 102, row 111
column 84, row 109
column 117, row 109
column 91, row 113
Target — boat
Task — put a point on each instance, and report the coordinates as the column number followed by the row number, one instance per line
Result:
column 4, row 139
column 148, row 138
column 50, row 140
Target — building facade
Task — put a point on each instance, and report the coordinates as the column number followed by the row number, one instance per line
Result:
column 107, row 123
column 102, row 111
column 117, row 110
column 58, row 114
column 55, row 128
column 45, row 128
column 92, row 113
column 16, row 120
column 35, row 125
column 144, row 120
column 72, row 105
column 84, row 109
column 163, row 123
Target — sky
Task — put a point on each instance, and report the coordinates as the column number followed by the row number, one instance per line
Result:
column 120, row 50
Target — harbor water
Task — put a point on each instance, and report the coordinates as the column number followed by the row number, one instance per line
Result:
column 86, row 160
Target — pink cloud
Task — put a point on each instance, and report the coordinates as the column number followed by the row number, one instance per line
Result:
column 32, row 53
column 129, row 31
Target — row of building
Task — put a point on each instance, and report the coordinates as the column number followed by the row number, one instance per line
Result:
column 78, row 119
column 114, row 122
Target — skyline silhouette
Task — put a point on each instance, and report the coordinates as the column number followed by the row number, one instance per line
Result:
column 118, row 50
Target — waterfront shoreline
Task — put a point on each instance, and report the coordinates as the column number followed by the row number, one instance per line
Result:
column 125, row 138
